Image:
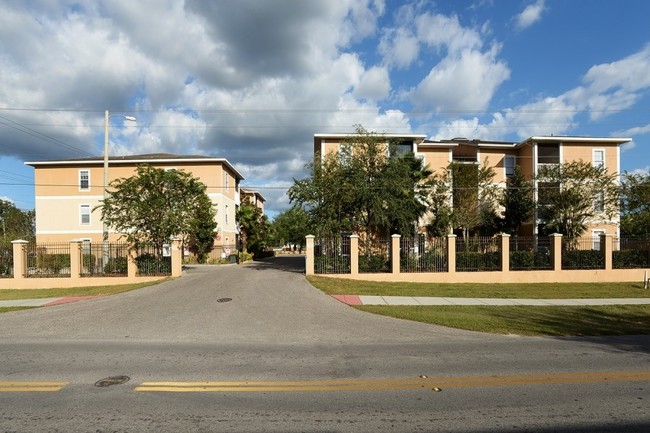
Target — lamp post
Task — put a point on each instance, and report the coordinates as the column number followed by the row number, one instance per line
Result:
column 107, row 117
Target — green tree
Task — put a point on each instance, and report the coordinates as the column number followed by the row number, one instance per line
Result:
column 291, row 226
column 573, row 193
column 15, row 223
column 253, row 227
column 518, row 203
column 635, row 205
column 155, row 205
column 365, row 187
column 201, row 234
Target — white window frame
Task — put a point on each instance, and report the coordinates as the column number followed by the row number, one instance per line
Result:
column 596, row 238
column 505, row 165
column 83, row 207
column 601, row 162
column 80, row 177
column 226, row 215
column 599, row 202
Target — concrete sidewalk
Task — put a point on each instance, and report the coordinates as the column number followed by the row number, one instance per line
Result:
column 417, row 300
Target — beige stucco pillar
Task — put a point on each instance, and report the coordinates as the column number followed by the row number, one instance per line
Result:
column 309, row 255
column 556, row 251
column 607, row 247
column 395, row 253
column 20, row 258
column 131, row 264
column 177, row 257
column 354, row 254
column 451, row 253
column 75, row 259
column 505, row 252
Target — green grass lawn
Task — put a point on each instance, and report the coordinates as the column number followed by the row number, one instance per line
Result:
column 525, row 320
column 335, row 286
column 520, row 320
column 8, row 295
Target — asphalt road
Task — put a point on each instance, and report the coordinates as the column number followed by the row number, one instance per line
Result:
column 255, row 348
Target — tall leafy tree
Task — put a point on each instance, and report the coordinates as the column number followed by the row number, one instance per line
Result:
column 635, row 205
column 574, row 193
column 291, row 226
column 363, row 188
column 15, row 223
column 155, row 205
column 201, row 234
column 518, row 203
column 253, row 227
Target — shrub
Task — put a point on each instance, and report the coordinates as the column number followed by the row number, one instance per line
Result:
column 148, row 264
column 583, row 259
column 631, row 259
column 470, row 261
column 373, row 263
column 118, row 265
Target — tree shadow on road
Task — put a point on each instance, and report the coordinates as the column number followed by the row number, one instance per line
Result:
column 293, row 263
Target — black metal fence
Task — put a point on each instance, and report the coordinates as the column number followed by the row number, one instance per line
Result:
column 631, row 253
column 48, row 260
column 6, row 260
column 583, row 253
column 423, row 254
column 374, row 255
column 529, row 253
column 104, row 260
column 154, row 262
column 332, row 255
column 478, row 254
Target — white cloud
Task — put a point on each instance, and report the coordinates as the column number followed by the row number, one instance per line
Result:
column 530, row 15
column 639, row 130
column 464, row 83
column 374, row 84
column 399, row 47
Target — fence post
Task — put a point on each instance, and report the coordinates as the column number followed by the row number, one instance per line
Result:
column 505, row 252
column 395, row 253
column 131, row 264
column 177, row 257
column 556, row 251
column 354, row 254
column 20, row 258
column 309, row 255
column 75, row 259
column 607, row 247
column 451, row 253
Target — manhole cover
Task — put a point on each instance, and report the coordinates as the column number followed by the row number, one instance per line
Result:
column 224, row 299
column 113, row 380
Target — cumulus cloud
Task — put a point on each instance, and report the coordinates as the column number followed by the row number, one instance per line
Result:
column 530, row 15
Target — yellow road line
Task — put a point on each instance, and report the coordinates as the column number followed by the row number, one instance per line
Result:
column 396, row 384
column 32, row 386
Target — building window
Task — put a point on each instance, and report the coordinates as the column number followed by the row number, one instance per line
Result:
column 599, row 158
column 401, row 148
column 84, row 180
column 548, row 153
column 227, row 181
column 84, row 214
column 596, row 239
column 599, row 202
column 510, row 162
column 226, row 215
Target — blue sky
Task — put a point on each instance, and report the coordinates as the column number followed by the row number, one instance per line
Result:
column 253, row 81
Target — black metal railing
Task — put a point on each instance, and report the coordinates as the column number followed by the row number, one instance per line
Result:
column 332, row 255
column 422, row 254
column 529, row 253
column 478, row 254
column 374, row 255
column 48, row 260
column 104, row 260
column 6, row 260
column 583, row 253
column 631, row 253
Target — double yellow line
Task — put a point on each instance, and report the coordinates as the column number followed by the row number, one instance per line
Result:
column 396, row 384
column 32, row 386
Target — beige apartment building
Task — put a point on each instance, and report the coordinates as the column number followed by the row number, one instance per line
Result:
column 68, row 191
column 529, row 155
column 253, row 197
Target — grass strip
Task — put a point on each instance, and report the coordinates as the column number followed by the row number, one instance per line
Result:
column 526, row 320
column 8, row 309
column 334, row 286
column 12, row 294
